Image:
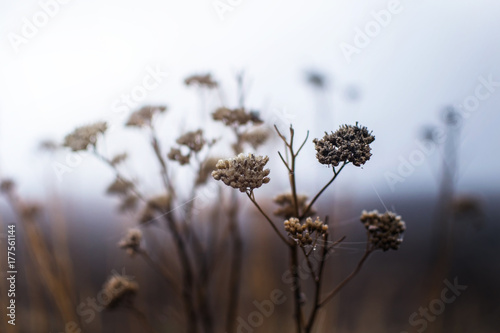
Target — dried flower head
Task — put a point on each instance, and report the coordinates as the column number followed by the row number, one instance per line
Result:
column 129, row 203
column 30, row 210
column 384, row 230
column 348, row 144
column 286, row 209
column 193, row 140
column 144, row 116
column 201, row 80
column 117, row 159
column 255, row 138
column 244, row 172
column 303, row 233
column 157, row 204
column 236, row 117
column 84, row 136
column 175, row 154
column 7, row 185
column 117, row 290
column 120, row 187
column 132, row 241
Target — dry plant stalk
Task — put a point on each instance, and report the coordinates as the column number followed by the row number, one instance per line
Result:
column 349, row 144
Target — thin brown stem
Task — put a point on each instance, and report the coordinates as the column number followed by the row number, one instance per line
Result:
column 347, row 279
column 294, row 266
column 317, row 288
column 335, row 174
column 235, row 273
column 252, row 198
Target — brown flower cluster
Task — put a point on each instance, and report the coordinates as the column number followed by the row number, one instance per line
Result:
column 286, row 209
column 193, row 140
column 302, row 232
column 144, row 116
column 118, row 289
column 348, row 144
column 384, row 230
column 244, row 172
column 84, row 136
column 154, row 205
column 201, row 80
column 131, row 242
column 236, row 117
column 256, row 138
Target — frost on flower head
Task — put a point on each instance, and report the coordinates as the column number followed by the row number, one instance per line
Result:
column 384, row 230
column 84, row 136
column 244, row 172
column 348, row 144
column 144, row 116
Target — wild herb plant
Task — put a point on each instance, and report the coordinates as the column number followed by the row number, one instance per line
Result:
column 296, row 222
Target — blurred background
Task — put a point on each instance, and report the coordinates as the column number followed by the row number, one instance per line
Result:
column 423, row 76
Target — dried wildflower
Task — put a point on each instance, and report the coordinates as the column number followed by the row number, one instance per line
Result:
column 84, row 136
column 30, row 210
column 255, row 138
column 129, row 203
column 384, row 230
column 236, row 117
column 147, row 215
column 131, row 242
column 7, row 185
column 120, row 187
column 160, row 203
column 175, row 154
column 201, row 80
column 286, row 209
column 302, row 233
column 206, row 169
column 244, row 172
column 348, row 144
column 193, row 140
column 118, row 159
column 144, row 116
column 118, row 290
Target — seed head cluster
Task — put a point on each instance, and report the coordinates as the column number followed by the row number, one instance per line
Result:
column 384, row 230
column 302, row 232
column 348, row 144
column 244, row 172
column 193, row 140
column 131, row 242
column 201, row 80
column 286, row 209
column 175, row 154
column 118, row 290
column 236, row 117
column 84, row 136
column 144, row 116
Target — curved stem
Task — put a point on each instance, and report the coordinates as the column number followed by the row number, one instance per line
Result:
column 347, row 279
column 267, row 218
column 335, row 174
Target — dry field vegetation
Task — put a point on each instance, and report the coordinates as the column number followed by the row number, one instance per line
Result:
column 220, row 249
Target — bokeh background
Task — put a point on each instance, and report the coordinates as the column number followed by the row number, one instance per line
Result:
column 430, row 58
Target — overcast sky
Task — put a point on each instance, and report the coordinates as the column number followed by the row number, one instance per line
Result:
column 73, row 68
